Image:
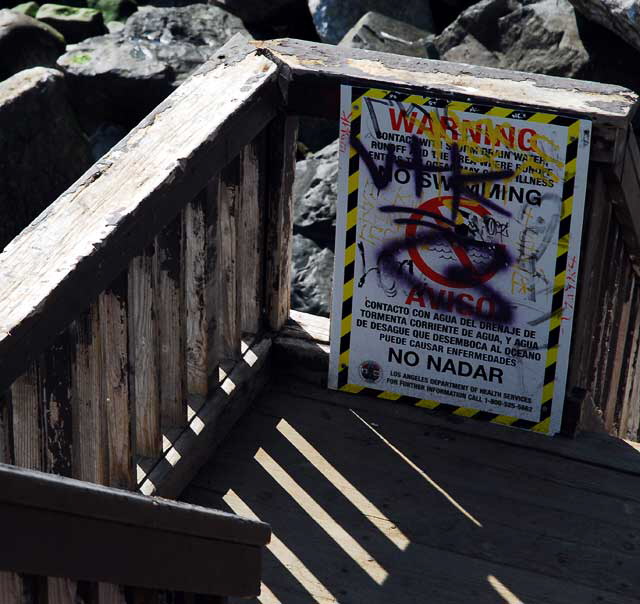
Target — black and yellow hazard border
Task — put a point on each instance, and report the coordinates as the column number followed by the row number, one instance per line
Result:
column 348, row 282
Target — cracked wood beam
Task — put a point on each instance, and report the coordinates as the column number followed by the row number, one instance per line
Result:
column 316, row 70
column 78, row 245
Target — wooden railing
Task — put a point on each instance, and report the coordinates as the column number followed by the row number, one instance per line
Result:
column 138, row 309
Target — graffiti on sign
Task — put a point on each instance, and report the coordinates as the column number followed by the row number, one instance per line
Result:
column 455, row 225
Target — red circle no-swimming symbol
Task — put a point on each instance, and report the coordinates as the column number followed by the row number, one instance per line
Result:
column 435, row 258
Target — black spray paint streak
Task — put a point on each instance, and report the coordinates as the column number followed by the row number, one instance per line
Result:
column 451, row 233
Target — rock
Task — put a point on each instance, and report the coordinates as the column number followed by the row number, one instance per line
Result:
column 25, row 42
column 525, row 35
column 620, row 16
column 75, row 24
column 130, row 72
column 334, row 18
column 40, row 156
column 255, row 11
column 27, row 8
column 312, row 277
column 375, row 31
column 315, row 192
column 115, row 26
column 104, row 138
column 114, row 10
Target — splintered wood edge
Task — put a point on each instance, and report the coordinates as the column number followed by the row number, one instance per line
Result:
column 605, row 104
column 78, row 245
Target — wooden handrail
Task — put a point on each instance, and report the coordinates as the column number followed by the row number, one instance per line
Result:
column 78, row 245
column 63, row 527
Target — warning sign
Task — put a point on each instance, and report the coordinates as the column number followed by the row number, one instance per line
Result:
column 457, row 249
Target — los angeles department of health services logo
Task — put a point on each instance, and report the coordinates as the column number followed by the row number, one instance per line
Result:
column 370, row 371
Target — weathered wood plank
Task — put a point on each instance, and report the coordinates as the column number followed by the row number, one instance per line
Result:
column 112, row 304
column 311, row 458
column 168, row 304
column 315, row 70
column 195, row 306
column 86, row 525
column 282, row 133
column 89, row 452
column 211, row 423
column 293, row 354
column 61, row 591
column 57, row 407
column 89, row 234
column 143, row 360
column 227, row 241
column 27, row 419
column 250, row 248
column 10, row 588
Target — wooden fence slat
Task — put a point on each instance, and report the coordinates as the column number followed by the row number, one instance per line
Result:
column 108, row 593
column 89, row 455
column 194, row 269
column 168, row 307
column 56, row 404
column 10, row 588
column 250, row 243
column 227, row 269
column 56, row 391
column 27, row 419
column 143, row 362
column 112, row 305
column 282, row 137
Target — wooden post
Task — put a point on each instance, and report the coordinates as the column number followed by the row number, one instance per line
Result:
column 282, row 137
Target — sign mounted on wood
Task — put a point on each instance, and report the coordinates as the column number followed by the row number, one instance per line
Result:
column 457, row 249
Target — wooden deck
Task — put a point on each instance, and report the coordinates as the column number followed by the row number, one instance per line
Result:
column 373, row 502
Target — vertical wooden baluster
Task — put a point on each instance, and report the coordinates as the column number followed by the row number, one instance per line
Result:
column 282, row 137
column 57, row 411
column 27, row 419
column 10, row 583
column 89, row 452
column 112, row 305
column 227, row 266
column 168, row 305
column 143, row 361
column 250, row 242
column 194, row 272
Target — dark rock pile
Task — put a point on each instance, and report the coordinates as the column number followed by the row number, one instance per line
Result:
column 86, row 71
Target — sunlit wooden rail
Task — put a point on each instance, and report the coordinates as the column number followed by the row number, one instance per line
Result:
column 139, row 309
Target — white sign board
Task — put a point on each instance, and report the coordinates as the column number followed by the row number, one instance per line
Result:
column 457, row 248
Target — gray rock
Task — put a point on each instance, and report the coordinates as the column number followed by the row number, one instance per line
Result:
column 620, row 16
column 312, row 277
column 40, row 156
column 334, row 18
column 114, row 10
column 25, row 42
column 525, row 35
column 75, row 24
column 375, row 31
column 254, row 11
column 315, row 192
column 131, row 71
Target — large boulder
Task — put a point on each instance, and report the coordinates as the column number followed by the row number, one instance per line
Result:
column 312, row 277
column 40, row 156
column 375, row 31
column 27, row 8
column 75, row 24
column 255, row 11
column 539, row 36
column 620, row 16
column 315, row 193
column 130, row 72
column 25, row 42
column 334, row 18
